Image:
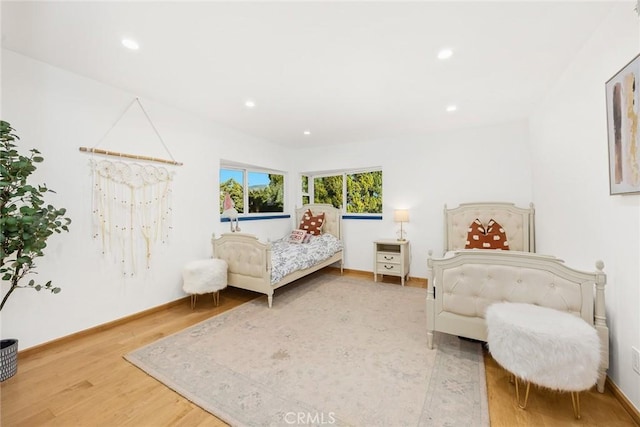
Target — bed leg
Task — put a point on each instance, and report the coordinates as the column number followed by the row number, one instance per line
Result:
column 430, row 340
column 270, row 300
column 602, row 376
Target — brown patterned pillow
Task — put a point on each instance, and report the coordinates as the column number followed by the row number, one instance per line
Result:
column 491, row 237
column 496, row 237
column 312, row 224
column 475, row 235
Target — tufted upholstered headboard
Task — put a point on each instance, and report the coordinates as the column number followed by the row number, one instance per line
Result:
column 517, row 222
column 332, row 217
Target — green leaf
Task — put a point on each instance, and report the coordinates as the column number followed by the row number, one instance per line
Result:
column 24, row 260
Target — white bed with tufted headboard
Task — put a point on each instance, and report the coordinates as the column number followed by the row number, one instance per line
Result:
column 250, row 261
column 462, row 284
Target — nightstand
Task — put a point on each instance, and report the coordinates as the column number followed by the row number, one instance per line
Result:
column 391, row 257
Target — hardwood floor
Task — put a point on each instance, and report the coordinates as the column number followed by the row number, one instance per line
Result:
column 85, row 381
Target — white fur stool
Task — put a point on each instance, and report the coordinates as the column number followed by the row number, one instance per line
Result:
column 204, row 276
column 548, row 347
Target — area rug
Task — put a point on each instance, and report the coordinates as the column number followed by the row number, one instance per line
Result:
column 331, row 351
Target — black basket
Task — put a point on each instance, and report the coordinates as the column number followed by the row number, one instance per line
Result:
column 8, row 358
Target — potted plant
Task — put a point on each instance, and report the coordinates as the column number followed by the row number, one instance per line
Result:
column 26, row 223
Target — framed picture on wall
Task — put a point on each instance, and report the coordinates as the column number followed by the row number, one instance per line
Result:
column 623, row 108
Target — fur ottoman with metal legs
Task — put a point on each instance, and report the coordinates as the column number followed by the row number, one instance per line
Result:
column 547, row 347
column 204, row 276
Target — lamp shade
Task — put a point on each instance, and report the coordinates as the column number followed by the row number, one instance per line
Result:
column 401, row 215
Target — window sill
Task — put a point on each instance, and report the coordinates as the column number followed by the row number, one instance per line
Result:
column 256, row 217
column 375, row 217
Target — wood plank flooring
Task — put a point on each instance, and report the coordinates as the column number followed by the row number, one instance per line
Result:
column 85, row 381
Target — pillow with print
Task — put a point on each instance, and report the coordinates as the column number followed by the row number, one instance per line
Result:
column 496, row 237
column 475, row 235
column 297, row 236
column 312, row 224
column 492, row 236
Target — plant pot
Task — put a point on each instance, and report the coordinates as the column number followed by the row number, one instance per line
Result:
column 8, row 358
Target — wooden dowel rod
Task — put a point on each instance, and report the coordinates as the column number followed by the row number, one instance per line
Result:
column 129, row 156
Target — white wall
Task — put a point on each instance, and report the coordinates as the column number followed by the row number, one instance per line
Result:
column 57, row 112
column 422, row 174
column 577, row 219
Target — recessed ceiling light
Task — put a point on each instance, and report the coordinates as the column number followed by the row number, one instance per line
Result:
column 130, row 44
column 307, row 132
column 451, row 108
column 250, row 103
column 445, row 53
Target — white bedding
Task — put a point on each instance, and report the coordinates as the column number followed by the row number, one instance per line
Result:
column 287, row 257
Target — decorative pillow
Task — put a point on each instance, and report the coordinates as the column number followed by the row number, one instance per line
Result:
column 496, row 236
column 312, row 224
column 491, row 237
column 307, row 238
column 297, row 236
column 475, row 235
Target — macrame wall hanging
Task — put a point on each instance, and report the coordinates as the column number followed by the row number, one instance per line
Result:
column 131, row 203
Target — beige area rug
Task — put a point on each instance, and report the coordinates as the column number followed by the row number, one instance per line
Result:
column 331, row 351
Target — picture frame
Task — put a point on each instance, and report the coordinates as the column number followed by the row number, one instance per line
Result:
column 623, row 129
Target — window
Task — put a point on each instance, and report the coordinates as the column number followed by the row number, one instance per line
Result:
column 355, row 192
column 232, row 182
column 259, row 191
column 364, row 192
column 305, row 190
column 328, row 189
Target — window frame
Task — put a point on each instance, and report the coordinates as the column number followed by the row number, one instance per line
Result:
column 246, row 170
column 344, row 173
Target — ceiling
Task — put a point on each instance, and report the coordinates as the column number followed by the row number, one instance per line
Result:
column 345, row 71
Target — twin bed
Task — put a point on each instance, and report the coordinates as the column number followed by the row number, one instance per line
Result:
column 265, row 267
column 464, row 282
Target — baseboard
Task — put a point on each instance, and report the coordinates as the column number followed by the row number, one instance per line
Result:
column 67, row 338
column 411, row 281
column 624, row 401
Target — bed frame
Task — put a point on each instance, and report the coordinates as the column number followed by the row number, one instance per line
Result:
column 464, row 283
column 249, row 260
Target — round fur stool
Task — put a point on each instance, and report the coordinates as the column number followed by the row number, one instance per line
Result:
column 204, row 276
column 547, row 347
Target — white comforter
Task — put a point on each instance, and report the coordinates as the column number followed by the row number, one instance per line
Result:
column 287, row 257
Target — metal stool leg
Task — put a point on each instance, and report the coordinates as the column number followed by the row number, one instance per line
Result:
column 575, row 400
column 216, row 298
column 526, row 396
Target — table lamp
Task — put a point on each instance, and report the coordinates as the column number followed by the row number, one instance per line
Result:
column 401, row 215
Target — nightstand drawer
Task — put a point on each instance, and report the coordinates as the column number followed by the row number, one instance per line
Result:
column 388, row 257
column 386, row 268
